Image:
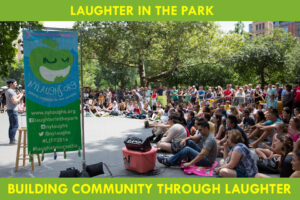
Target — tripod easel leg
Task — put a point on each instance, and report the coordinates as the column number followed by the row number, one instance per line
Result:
column 18, row 151
column 24, row 147
column 39, row 159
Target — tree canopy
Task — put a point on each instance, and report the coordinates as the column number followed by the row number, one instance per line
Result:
column 265, row 57
column 9, row 32
column 129, row 54
column 156, row 49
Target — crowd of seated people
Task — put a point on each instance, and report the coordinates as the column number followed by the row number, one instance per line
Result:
column 246, row 129
column 250, row 136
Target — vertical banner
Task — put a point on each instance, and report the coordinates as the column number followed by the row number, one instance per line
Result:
column 52, row 91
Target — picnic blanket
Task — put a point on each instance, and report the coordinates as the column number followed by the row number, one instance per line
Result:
column 200, row 171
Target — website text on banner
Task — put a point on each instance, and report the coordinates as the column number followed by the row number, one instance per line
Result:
column 52, row 91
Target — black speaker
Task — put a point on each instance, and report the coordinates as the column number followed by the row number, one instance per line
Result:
column 140, row 143
column 95, row 169
column 69, row 172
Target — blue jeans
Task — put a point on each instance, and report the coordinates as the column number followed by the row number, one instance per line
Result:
column 190, row 151
column 13, row 124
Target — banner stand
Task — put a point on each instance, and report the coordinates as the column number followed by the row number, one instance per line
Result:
column 81, row 78
column 82, row 111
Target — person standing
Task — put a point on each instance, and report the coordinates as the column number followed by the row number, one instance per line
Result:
column 12, row 101
column 297, row 96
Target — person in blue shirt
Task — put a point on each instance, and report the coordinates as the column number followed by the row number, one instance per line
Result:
column 267, row 127
column 272, row 103
column 190, row 120
column 232, row 123
column 201, row 93
column 241, row 161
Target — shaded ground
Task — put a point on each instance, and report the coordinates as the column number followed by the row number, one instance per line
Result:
column 104, row 141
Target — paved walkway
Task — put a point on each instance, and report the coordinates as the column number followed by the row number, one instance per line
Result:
column 104, row 141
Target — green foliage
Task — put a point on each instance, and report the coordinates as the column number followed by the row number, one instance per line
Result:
column 239, row 28
column 264, row 57
column 156, row 49
column 89, row 74
column 16, row 71
column 127, row 54
column 9, row 32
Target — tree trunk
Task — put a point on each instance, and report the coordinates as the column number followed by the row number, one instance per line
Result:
column 164, row 74
column 142, row 75
column 262, row 78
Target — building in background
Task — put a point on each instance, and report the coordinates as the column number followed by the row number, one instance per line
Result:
column 292, row 27
column 258, row 28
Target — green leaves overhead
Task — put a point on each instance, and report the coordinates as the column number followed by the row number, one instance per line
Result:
column 154, row 48
column 9, row 32
column 264, row 55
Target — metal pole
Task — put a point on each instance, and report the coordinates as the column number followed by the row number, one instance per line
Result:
column 116, row 83
column 82, row 109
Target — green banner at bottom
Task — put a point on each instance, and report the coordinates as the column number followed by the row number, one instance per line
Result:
column 149, row 188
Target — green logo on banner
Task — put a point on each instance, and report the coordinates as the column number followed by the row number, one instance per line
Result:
column 50, row 64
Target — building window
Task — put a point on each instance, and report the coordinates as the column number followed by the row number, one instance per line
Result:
column 298, row 30
column 263, row 26
column 259, row 26
column 256, row 27
column 285, row 28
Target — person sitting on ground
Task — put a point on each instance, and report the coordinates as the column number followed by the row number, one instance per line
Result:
column 297, row 111
column 164, row 119
column 283, row 145
column 241, row 162
column 260, row 107
column 267, row 128
column 87, row 111
column 136, row 111
column 146, row 109
column 199, row 150
column 294, row 128
column 115, row 109
column 190, row 107
column 197, row 110
column 190, row 121
column 207, row 118
column 129, row 108
column 217, row 120
column 123, row 107
column 205, row 109
column 95, row 110
column 227, row 106
column 231, row 123
column 267, row 151
column 296, row 164
column 234, row 111
column 160, row 128
column 259, row 119
column 286, row 115
column 222, row 129
column 194, row 129
column 156, row 116
column 247, row 121
column 172, row 137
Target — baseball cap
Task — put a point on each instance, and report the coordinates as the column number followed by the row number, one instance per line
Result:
column 10, row 81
